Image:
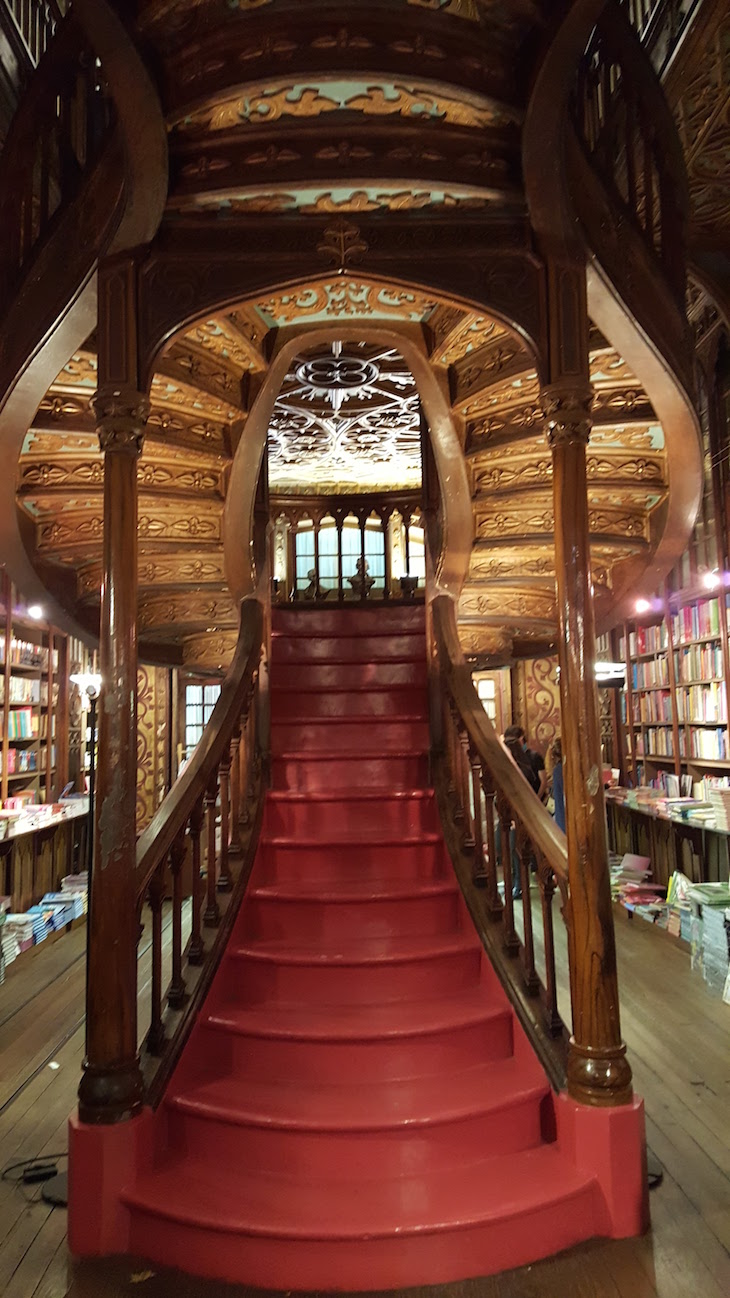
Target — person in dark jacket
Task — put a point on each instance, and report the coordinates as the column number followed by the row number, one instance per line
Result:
column 556, row 754
column 514, row 739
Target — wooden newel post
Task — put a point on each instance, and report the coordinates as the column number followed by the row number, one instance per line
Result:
column 598, row 1071
column 111, row 1085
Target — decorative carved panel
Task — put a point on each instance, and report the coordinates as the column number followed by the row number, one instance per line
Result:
column 536, row 700
column 153, row 736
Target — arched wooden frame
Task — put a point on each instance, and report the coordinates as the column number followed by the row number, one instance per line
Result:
column 457, row 523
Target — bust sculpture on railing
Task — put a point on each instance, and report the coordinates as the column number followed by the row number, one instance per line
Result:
column 361, row 582
column 314, row 590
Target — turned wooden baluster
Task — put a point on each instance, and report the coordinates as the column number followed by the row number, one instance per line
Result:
column 225, row 882
column 455, row 787
column 211, row 915
column 234, row 846
column 462, row 753
column 177, row 993
column 447, row 740
column 510, row 938
column 524, row 848
column 252, row 749
column 196, row 949
column 243, row 767
column 494, row 901
column 479, row 869
column 546, row 880
column 156, row 894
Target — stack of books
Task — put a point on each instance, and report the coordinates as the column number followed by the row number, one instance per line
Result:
column 627, row 872
column 77, row 885
column 20, row 928
column 720, row 802
column 709, row 902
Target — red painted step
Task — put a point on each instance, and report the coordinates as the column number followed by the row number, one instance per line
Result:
column 310, row 1233
column 376, row 910
column 313, row 816
column 305, row 771
column 402, row 647
column 333, row 735
column 357, row 1106
column 360, row 1130
column 357, row 972
column 323, row 676
column 416, row 856
column 292, row 705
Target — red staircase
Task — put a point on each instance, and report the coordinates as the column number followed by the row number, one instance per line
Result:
column 357, row 1107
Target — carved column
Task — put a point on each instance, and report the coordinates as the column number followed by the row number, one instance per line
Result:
column 598, row 1072
column 111, row 1085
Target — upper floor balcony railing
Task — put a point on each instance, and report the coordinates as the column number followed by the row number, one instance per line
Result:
column 352, row 547
column 29, row 25
column 661, row 24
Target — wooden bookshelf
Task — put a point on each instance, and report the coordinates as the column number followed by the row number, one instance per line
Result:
column 674, row 707
column 33, row 703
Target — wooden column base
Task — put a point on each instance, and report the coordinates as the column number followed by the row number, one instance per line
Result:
column 108, row 1095
column 599, row 1076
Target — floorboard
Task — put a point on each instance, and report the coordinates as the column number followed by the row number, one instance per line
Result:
column 679, row 1045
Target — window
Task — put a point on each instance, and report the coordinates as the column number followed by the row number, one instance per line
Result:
column 199, row 703
column 487, row 691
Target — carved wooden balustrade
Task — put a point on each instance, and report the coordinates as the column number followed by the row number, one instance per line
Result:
column 480, row 788
column 201, row 843
column 54, row 143
column 632, row 146
column 30, row 26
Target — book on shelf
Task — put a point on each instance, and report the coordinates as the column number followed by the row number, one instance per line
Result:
column 697, row 621
column 697, row 703
column 648, row 640
column 699, row 663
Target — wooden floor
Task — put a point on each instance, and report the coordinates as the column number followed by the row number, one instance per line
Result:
column 679, row 1045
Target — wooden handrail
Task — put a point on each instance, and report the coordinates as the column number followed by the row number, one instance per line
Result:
column 540, row 826
column 192, row 782
column 498, row 834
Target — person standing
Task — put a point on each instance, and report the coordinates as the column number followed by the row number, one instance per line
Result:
column 556, row 756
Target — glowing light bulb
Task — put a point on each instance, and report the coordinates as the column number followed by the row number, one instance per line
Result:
column 642, row 606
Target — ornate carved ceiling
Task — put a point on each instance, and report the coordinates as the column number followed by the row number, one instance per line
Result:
column 347, row 417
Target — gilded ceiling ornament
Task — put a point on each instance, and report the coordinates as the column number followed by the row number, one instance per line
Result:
column 474, row 331
column 79, row 372
column 221, row 339
column 345, row 297
column 266, row 104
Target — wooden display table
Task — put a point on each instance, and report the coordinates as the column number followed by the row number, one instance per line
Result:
column 39, row 848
